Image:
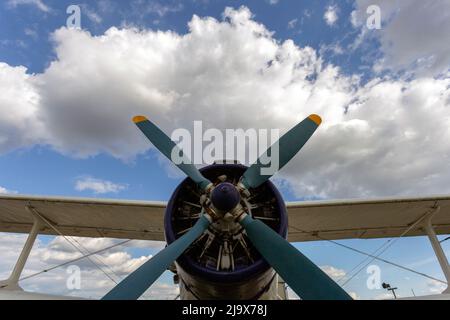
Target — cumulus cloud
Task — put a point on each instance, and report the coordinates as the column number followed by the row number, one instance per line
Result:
column 331, row 15
column 414, row 35
column 385, row 296
column 407, row 116
column 117, row 262
column 385, row 137
column 333, row 272
column 354, row 295
column 98, row 186
column 19, row 105
column 6, row 191
column 436, row 287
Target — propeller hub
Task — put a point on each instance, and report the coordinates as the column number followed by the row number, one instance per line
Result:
column 225, row 197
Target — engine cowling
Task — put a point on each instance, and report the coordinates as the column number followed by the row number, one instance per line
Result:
column 222, row 263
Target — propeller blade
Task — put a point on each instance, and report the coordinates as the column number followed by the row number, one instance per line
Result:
column 288, row 145
column 301, row 274
column 164, row 144
column 133, row 286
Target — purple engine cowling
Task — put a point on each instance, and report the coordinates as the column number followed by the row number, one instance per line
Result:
column 222, row 263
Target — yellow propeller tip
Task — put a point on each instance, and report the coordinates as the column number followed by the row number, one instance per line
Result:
column 317, row 120
column 138, row 119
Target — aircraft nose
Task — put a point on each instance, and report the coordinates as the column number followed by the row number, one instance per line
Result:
column 225, row 197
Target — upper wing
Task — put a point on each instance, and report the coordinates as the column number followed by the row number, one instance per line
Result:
column 346, row 219
column 308, row 220
column 85, row 217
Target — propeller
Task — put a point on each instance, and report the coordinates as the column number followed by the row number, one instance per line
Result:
column 302, row 275
column 164, row 144
column 133, row 286
column 288, row 145
column 306, row 279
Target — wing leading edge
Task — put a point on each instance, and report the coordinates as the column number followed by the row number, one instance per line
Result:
column 364, row 219
column 85, row 217
column 144, row 220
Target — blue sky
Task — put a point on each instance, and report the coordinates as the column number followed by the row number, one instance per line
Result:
column 53, row 166
column 24, row 26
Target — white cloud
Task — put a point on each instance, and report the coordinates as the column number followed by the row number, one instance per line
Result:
column 333, row 48
column 331, row 15
column 37, row 3
column 163, row 291
column 19, row 124
column 333, row 272
column 384, row 296
column 98, row 186
column 386, row 137
column 354, row 295
column 436, row 287
column 6, row 191
column 414, row 36
column 117, row 262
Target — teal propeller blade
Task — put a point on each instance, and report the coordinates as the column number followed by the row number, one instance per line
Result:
column 133, row 286
column 307, row 280
column 288, row 145
column 164, row 144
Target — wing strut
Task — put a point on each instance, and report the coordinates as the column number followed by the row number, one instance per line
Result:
column 12, row 283
column 440, row 254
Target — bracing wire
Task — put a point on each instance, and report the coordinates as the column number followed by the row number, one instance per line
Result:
column 376, row 256
column 72, row 244
column 74, row 260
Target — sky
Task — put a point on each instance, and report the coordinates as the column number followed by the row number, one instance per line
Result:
column 68, row 96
